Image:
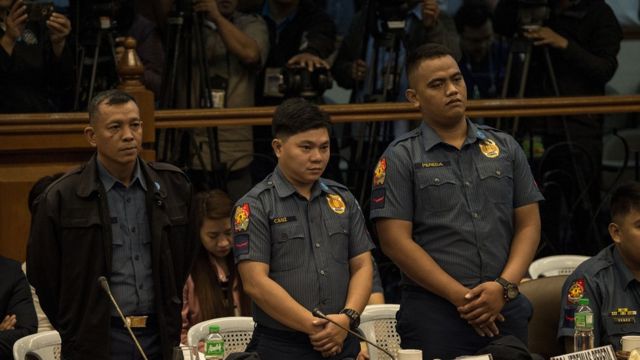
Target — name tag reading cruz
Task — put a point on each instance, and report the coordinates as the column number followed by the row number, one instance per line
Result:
column 599, row 353
column 283, row 219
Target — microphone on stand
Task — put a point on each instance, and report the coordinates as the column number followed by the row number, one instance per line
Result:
column 105, row 286
column 318, row 313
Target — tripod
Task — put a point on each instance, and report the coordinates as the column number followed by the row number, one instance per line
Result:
column 104, row 34
column 184, row 38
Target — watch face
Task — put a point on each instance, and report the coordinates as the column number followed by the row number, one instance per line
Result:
column 512, row 292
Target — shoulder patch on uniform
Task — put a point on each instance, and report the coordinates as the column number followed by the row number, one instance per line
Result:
column 575, row 291
column 380, row 172
column 378, row 197
column 241, row 217
column 336, row 203
column 241, row 244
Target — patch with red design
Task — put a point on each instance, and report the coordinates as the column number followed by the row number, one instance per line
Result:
column 378, row 198
column 380, row 172
column 575, row 292
column 241, row 218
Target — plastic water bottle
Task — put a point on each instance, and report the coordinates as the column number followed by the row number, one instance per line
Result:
column 583, row 335
column 214, row 344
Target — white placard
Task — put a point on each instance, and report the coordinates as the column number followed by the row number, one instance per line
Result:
column 599, row 353
column 475, row 357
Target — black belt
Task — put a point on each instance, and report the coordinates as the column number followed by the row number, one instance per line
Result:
column 136, row 321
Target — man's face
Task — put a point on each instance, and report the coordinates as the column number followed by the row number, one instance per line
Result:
column 215, row 235
column 437, row 87
column 227, row 7
column 304, row 156
column 476, row 42
column 116, row 134
column 625, row 232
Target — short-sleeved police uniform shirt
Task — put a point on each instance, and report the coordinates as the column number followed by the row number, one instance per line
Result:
column 306, row 243
column 460, row 202
column 614, row 297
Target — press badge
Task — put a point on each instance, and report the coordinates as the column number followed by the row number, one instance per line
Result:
column 272, row 80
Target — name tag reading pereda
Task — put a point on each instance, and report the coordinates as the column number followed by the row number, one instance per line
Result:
column 599, row 353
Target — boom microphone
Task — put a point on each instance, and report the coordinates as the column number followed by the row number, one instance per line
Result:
column 318, row 313
column 105, row 286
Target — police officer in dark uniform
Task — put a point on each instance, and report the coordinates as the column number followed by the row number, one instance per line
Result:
column 609, row 279
column 456, row 209
column 301, row 243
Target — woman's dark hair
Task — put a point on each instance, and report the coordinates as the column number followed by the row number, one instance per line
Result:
column 214, row 204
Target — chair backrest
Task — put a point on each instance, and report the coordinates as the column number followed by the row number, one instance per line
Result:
column 555, row 265
column 545, row 294
column 236, row 331
column 46, row 345
column 378, row 323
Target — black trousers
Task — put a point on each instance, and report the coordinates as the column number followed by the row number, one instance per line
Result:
column 273, row 344
column 433, row 325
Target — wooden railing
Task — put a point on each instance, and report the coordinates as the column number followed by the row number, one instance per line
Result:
column 34, row 145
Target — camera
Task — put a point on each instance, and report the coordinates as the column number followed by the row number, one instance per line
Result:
column 39, row 11
column 532, row 13
column 392, row 14
column 299, row 81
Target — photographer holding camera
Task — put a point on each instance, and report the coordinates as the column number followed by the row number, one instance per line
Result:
column 582, row 38
column 36, row 64
column 423, row 23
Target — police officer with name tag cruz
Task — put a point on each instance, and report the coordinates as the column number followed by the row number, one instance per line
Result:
column 300, row 243
column 456, row 208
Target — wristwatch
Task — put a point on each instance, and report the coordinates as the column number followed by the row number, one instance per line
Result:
column 354, row 317
column 510, row 290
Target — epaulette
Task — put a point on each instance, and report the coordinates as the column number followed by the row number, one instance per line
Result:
column 328, row 183
column 406, row 136
column 487, row 127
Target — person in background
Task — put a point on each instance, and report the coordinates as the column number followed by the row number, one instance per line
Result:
column 483, row 56
column 36, row 64
column 214, row 288
column 36, row 190
column 609, row 279
column 17, row 314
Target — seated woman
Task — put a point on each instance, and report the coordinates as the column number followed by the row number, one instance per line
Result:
column 214, row 288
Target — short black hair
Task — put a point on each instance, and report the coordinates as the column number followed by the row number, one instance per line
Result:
column 425, row 52
column 39, row 187
column 296, row 115
column 110, row 97
column 474, row 13
column 625, row 199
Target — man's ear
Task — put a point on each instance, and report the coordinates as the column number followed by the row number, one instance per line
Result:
column 410, row 94
column 276, row 144
column 90, row 134
column 614, row 232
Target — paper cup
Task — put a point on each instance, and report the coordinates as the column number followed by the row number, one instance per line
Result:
column 409, row 354
column 630, row 342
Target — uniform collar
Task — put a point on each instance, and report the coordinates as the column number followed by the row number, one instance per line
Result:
column 431, row 138
column 623, row 270
column 284, row 188
column 109, row 181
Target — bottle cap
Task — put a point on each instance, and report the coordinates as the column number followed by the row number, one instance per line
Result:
column 214, row 328
column 583, row 301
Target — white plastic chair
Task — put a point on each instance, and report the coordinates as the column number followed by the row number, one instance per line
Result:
column 555, row 265
column 45, row 344
column 378, row 323
column 236, row 331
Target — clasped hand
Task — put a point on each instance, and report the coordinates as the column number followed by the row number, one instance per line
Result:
column 329, row 338
column 483, row 306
